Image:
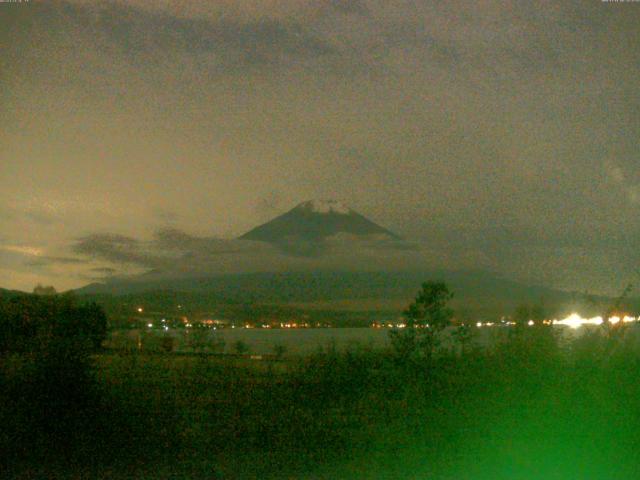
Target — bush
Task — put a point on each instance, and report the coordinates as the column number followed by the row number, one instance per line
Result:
column 241, row 347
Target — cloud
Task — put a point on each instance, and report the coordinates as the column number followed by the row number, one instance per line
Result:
column 478, row 127
column 104, row 270
column 269, row 206
column 170, row 248
column 165, row 215
column 547, row 257
column 630, row 189
column 348, row 7
column 99, row 274
column 44, row 215
column 244, row 10
column 173, row 239
column 41, row 217
column 114, row 248
column 23, row 250
column 45, row 260
column 340, row 34
column 156, row 36
column 174, row 252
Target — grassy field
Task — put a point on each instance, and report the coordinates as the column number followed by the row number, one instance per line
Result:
column 526, row 409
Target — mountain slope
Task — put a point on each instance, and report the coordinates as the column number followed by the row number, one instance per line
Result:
column 475, row 290
column 314, row 221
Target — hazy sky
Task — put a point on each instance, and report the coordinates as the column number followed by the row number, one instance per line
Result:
column 501, row 135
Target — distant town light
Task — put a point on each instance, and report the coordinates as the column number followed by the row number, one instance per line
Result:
column 573, row 321
column 576, row 321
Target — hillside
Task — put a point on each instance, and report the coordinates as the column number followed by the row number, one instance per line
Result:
column 476, row 292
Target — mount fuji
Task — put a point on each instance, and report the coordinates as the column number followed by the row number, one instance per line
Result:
column 315, row 221
column 317, row 251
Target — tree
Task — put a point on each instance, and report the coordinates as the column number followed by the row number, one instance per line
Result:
column 32, row 321
column 525, row 313
column 218, row 344
column 522, row 315
column 167, row 344
column 463, row 333
column 95, row 324
column 42, row 290
column 241, row 347
column 538, row 313
column 613, row 331
column 426, row 318
column 531, row 338
column 198, row 339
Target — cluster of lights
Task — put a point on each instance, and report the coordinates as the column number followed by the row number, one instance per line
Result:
column 507, row 323
column 576, row 321
column 294, row 325
column 491, row 324
column 572, row 321
column 395, row 325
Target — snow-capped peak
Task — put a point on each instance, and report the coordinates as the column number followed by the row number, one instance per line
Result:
column 326, row 206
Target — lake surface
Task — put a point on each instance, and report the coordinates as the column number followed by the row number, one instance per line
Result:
column 295, row 341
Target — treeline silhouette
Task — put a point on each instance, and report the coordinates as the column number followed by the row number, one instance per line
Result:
column 533, row 403
column 35, row 323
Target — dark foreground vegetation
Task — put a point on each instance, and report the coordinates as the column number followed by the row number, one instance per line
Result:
column 533, row 405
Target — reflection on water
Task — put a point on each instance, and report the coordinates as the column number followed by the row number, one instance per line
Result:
column 295, row 341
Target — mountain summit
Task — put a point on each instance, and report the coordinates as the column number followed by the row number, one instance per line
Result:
column 325, row 206
column 314, row 221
